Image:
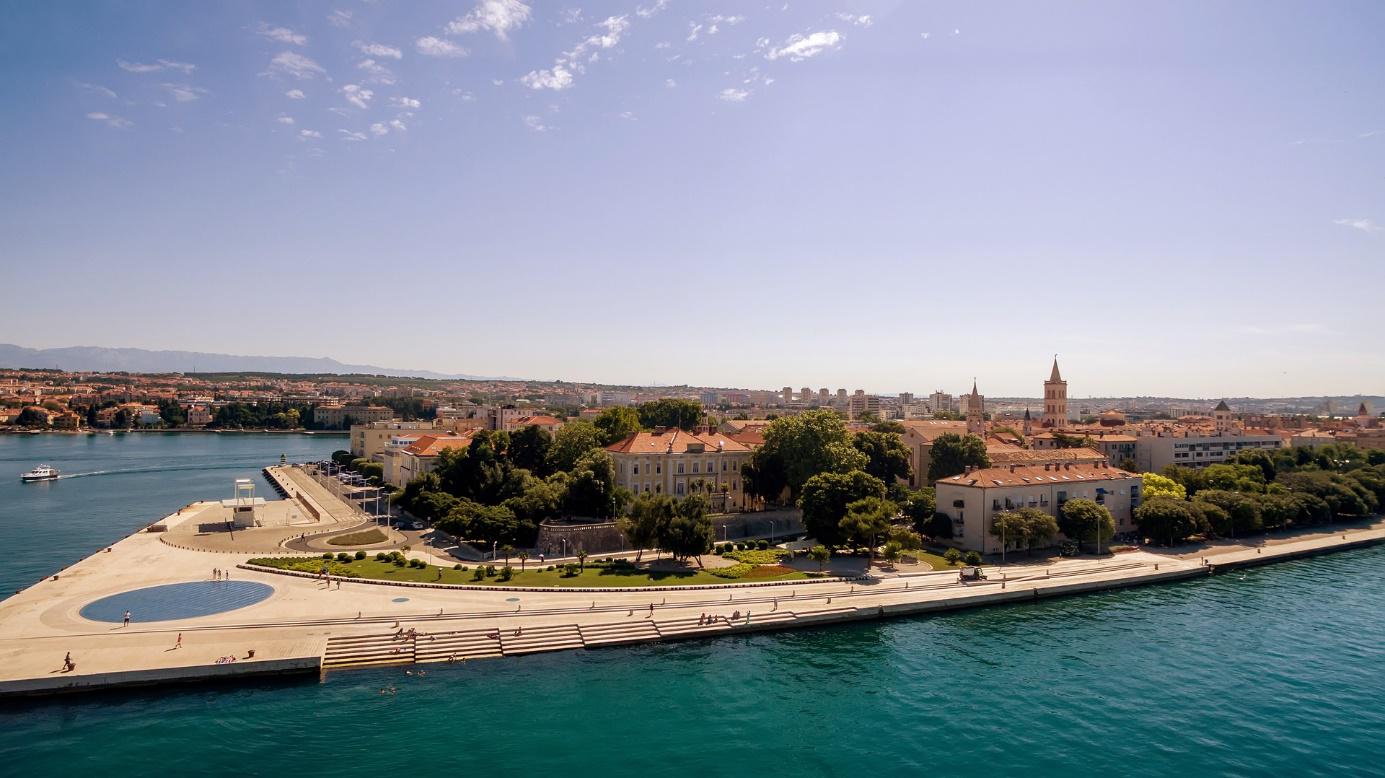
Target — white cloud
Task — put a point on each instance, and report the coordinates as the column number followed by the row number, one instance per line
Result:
column 284, row 119
column 957, row 32
column 798, row 48
column 379, row 129
column 863, row 20
column 295, row 94
column 377, row 73
column 628, row 115
column 644, row 12
column 98, row 89
column 670, row 83
column 464, row 95
column 694, row 29
column 571, row 16
column 663, row 45
column 925, row 35
column 357, row 95
column 733, row 95
column 1364, row 225
column 339, row 18
column 575, row 61
column 398, row 124
column 309, row 134
column 154, row 67
column 378, row 50
column 497, row 16
column 111, row 120
column 558, row 77
column 292, row 63
column 429, row 46
column 351, row 136
column 409, row 103
column 281, row 34
column 184, row 93
column 535, row 123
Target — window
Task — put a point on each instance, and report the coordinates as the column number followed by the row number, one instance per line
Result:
column 635, row 468
column 694, row 468
column 680, row 468
column 658, row 468
column 679, row 487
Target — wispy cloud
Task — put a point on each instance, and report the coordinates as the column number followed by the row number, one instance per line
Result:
column 574, row 61
column 291, row 63
column 496, row 16
column 354, row 137
column 670, row 83
column 284, row 119
column 307, row 134
column 98, row 89
column 357, row 95
column 155, row 66
column 800, row 47
column 536, row 124
column 646, row 11
column 863, row 20
column 377, row 129
column 407, row 103
column 184, row 93
column 295, row 94
column 339, row 18
column 430, row 46
column 281, row 34
column 378, row 50
column 375, row 72
column 1364, row 225
column 731, row 95
column 111, row 120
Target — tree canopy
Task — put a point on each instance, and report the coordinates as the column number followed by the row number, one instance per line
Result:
column 952, row 454
column 617, row 423
column 887, row 458
column 670, row 412
column 1087, row 522
column 825, row 500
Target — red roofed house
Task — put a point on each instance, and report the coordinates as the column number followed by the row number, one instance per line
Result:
column 679, row 463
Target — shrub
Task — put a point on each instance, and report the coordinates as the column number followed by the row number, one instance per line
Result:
column 953, row 556
column 327, row 555
column 762, row 545
column 734, row 571
column 490, row 570
column 768, row 556
column 973, row 558
column 740, row 545
column 381, row 556
column 458, row 566
column 506, row 573
column 360, row 555
column 478, row 573
column 570, row 570
column 398, row 561
column 342, row 556
column 551, row 568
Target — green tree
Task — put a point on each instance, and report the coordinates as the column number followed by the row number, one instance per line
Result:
column 952, row 454
column 820, row 554
column 592, row 491
column 938, row 527
column 764, row 476
column 647, row 521
column 529, row 447
column 671, row 413
column 1156, row 485
column 1167, row 519
column 807, row 444
column 32, row 417
column 887, row 458
column 617, row 423
column 918, row 506
column 1011, row 527
column 1234, row 478
column 825, row 500
column 1241, row 511
column 866, row 521
column 1087, row 522
column 689, row 532
column 571, row 442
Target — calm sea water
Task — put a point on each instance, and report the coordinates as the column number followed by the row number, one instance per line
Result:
column 1276, row 671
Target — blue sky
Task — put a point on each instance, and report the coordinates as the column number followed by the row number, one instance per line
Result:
column 1180, row 198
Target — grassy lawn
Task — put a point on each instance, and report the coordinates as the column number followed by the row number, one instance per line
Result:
column 533, row 576
column 365, row 538
column 936, row 560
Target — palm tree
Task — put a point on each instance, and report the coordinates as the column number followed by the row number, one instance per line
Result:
column 581, row 559
column 523, row 557
column 508, row 551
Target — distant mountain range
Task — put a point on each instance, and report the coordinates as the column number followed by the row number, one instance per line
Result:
column 138, row 360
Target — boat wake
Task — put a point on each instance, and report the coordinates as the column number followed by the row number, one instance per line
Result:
column 158, row 469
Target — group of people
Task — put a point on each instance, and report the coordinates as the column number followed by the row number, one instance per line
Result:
column 708, row 619
column 220, row 575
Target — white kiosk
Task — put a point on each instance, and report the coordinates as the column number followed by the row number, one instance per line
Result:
column 243, row 505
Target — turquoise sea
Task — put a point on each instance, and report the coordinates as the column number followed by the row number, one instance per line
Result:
column 1275, row 671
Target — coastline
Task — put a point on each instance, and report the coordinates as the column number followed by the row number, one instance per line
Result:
column 304, row 627
column 182, row 431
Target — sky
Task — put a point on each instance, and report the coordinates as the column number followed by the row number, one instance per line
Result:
column 1178, row 198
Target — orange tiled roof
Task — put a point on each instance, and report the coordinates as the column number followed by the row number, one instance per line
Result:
column 432, row 445
column 1037, row 475
column 675, row 442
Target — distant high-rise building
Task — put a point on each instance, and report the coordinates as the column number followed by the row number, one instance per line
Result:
column 940, row 401
column 824, row 397
column 806, row 396
column 786, row 394
column 906, row 398
column 841, row 399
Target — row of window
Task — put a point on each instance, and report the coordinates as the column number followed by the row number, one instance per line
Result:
column 679, row 488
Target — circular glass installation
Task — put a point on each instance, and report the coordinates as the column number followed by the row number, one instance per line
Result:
column 400, row 599
column 177, row 601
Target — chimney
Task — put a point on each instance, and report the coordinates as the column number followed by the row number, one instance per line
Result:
column 1012, row 468
column 1045, row 467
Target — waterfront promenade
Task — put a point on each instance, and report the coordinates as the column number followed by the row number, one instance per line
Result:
column 305, row 626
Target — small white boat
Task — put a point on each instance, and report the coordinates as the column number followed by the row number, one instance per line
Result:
column 40, row 473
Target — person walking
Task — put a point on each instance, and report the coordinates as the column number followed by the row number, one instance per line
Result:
column 179, row 642
column 127, row 619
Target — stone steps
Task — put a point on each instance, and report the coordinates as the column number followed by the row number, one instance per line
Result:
column 538, row 639
column 367, row 651
column 619, row 633
column 469, row 644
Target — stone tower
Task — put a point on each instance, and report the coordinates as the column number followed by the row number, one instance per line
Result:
column 1222, row 415
column 976, row 419
column 1028, row 423
column 1055, row 399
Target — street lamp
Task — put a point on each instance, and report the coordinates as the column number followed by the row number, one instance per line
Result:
column 771, row 532
column 723, row 533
